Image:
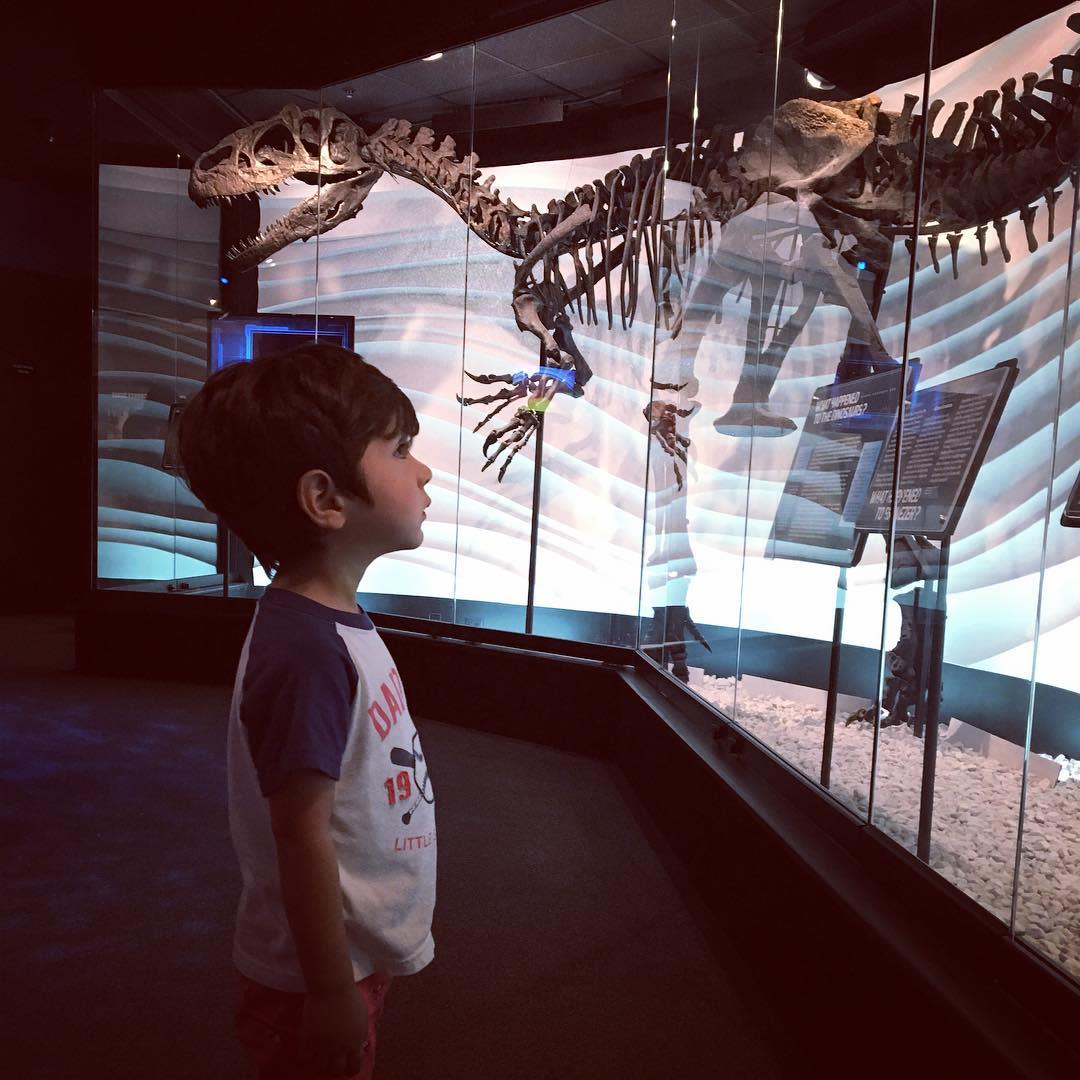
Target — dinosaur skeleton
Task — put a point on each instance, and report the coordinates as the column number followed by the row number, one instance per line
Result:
column 851, row 165
column 849, row 168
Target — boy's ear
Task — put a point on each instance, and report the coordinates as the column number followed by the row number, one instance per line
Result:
column 321, row 499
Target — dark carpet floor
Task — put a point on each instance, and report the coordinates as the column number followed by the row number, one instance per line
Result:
column 564, row 947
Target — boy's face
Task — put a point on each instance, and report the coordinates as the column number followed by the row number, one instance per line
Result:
column 395, row 480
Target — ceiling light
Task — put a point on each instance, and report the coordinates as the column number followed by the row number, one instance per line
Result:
column 818, row 82
column 433, row 56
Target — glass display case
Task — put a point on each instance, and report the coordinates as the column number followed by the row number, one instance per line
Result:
column 722, row 351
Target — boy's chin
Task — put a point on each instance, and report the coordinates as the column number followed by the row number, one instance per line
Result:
column 407, row 543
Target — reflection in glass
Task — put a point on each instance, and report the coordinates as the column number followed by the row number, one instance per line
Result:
column 987, row 307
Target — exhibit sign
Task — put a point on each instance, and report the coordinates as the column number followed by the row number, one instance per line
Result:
column 839, row 447
column 947, row 432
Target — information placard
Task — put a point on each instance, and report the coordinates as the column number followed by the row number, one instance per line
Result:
column 947, row 431
column 1070, row 516
column 841, row 441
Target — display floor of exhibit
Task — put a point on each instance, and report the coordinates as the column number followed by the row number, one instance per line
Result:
column 564, row 946
column 976, row 805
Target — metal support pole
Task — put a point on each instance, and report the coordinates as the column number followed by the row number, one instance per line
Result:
column 834, row 677
column 538, row 461
column 936, row 649
column 922, row 622
column 226, row 558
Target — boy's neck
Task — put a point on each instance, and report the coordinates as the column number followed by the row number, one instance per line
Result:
column 332, row 589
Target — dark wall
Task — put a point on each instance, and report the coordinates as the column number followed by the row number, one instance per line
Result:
column 45, row 350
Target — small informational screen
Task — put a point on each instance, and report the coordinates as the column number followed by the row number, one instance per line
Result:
column 947, row 431
column 1070, row 516
column 841, row 441
column 239, row 338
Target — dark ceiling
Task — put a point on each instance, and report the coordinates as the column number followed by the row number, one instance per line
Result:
column 582, row 81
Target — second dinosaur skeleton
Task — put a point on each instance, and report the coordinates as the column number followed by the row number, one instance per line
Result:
column 851, row 165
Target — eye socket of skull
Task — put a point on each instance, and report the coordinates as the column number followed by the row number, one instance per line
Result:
column 338, row 144
column 273, row 141
column 212, row 158
column 310, row 136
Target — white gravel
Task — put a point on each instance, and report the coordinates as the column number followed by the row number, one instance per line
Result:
column 976, row 809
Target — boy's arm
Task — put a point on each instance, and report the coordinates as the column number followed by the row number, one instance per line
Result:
column 335, row 1023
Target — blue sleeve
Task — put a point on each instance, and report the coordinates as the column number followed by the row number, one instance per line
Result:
column 297, row 697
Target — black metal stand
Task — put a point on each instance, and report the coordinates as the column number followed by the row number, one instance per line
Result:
column 922, row 619
column 834, row 678
column 935, row 615
column 538, row 461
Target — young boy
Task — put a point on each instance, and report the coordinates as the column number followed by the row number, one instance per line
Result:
column 306, row 457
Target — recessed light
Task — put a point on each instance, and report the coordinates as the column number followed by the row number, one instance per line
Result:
column 819, row 82
column 433, row 56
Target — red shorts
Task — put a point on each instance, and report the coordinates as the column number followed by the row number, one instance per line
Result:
column 268, row 1027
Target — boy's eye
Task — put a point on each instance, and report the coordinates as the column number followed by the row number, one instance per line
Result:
column 403, row 447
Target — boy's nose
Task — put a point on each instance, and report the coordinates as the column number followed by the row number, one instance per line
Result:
column 425, row 474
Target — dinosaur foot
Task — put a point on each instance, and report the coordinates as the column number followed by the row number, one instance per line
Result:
column 746, row 419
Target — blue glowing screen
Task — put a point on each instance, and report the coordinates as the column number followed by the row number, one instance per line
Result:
column 238, row 338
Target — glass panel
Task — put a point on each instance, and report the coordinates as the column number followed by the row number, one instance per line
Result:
column 774, row 324
column 711, row 274
column 1046, row 893
column 250, row 143
column 690, row 582
column 397, row 269
column 493, row 537
column 157, row 283
column 572, row 389
column 971, row 504
column 815, row 398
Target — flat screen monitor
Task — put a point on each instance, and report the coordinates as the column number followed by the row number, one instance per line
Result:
column 238, row 338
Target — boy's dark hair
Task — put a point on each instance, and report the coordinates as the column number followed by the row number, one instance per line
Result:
column 254, row 429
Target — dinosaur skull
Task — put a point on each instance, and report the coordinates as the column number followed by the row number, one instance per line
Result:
column 321, row 147
column 806, row 141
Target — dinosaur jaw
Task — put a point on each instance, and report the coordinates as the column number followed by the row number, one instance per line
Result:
column 326, row 209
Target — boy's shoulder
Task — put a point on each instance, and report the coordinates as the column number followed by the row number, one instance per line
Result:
column 296, row 640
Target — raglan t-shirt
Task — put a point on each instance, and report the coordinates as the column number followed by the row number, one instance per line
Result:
column 317, row 689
